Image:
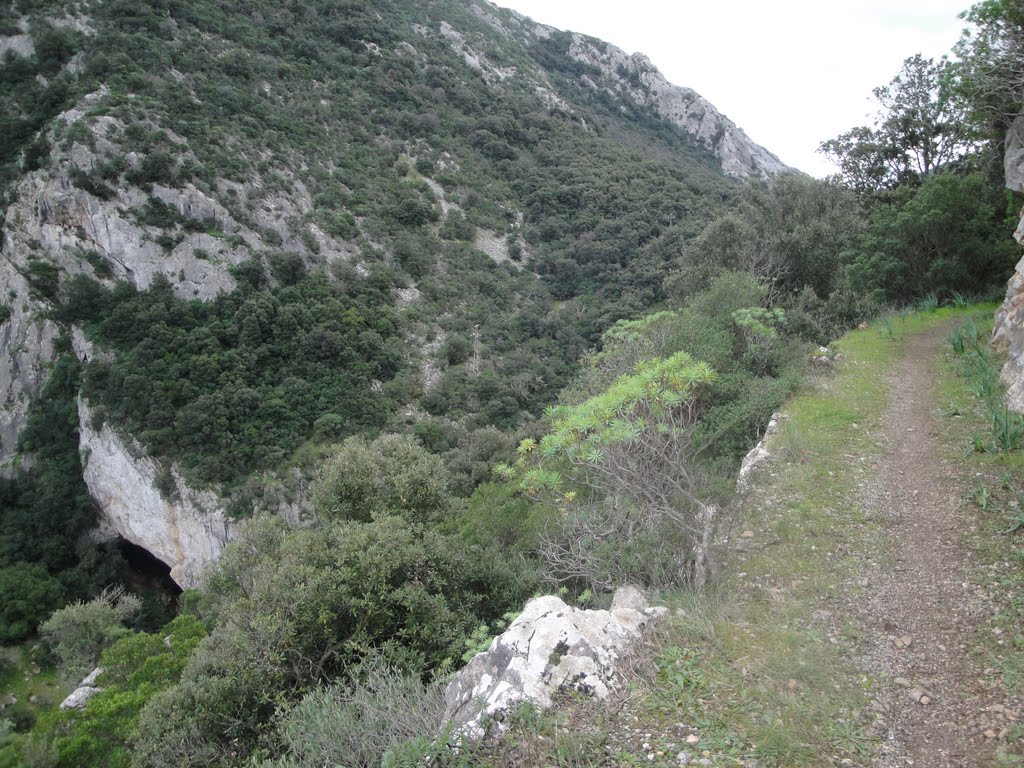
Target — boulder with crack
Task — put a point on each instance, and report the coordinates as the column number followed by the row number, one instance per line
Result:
column 85, row 691
column 549, row 647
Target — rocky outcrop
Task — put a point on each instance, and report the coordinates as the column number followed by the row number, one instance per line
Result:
column 1008, row 333
column 56, row 228
column 684, row 107
column 86, row 689
column 27, row 339
column 622, row 74
column 186, row 532
column 548, row 648
column 758, row 456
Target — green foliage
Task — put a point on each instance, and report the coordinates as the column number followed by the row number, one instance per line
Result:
column 43, row 278
column 78, row 633
column 760, row 322
column 456, row 227
column 237, row 384
column 28, row 594
column 989, row 72
column 136, row 668
column 948, row 234
column 620, row 469
column 789, row 236
column 366, row 721
column 653, row 393
column 980, row 366
column 46, row 508
column 317, row 601
column 497, row 515
column 390, row 476
column 32, row 92
column 921, row 127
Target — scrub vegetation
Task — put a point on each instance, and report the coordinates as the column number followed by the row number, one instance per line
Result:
column 515, row 334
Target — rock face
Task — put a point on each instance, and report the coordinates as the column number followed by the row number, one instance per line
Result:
column 186, row 533
column 549, row 647
column 739, row 154
column 54, row 224
column 620, row 74
column 27, row 338
column 1008, row 334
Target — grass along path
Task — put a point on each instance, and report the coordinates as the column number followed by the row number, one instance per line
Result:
column 874, row 476
column 865, row 612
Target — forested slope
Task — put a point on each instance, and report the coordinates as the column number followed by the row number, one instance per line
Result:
column 449, row 307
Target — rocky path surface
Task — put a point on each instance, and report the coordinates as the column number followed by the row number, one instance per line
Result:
column 937, row 706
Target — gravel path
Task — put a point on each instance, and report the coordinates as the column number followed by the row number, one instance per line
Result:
column 936, row 706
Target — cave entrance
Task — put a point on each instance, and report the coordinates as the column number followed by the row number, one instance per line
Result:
column 149, row 578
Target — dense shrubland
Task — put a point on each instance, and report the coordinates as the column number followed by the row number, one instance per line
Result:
column 651, row 317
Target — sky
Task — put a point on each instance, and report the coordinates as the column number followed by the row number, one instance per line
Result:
column 791, row 73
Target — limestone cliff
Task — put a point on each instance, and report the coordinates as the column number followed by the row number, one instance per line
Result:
column 621, row 74
column 186, row 531
column 636, row 75
column 1008, row 334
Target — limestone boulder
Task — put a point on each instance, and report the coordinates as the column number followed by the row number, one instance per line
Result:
column 550, row 647
column 86, row 689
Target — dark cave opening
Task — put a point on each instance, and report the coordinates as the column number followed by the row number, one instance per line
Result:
column 146, row 573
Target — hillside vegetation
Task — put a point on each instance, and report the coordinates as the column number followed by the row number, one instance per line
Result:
column 437, row 305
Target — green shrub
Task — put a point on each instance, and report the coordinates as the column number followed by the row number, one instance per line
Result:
column 360, row 723
column 317, row 601
column 392, row 475
column 456, row 227
column 136, row 668
column 43, row 278
column 28, row 594
column 79, row 633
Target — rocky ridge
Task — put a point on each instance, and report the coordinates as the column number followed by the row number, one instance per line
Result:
column 637, row 76
column 633, row 75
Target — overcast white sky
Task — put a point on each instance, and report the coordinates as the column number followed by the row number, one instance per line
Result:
column 791, row 73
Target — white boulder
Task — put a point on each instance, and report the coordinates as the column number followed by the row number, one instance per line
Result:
column 549, row 647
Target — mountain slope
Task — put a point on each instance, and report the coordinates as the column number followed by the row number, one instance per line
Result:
column 265, row 226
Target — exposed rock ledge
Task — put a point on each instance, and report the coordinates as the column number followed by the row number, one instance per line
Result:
column 739, row 155
column 186, row 534
column 549, row 647
column 1008, row 334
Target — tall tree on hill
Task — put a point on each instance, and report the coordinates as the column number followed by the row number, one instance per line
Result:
column 990, row 73
column 920, row 128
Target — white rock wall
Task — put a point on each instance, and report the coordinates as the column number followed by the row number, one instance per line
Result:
column 739, row 154
column 186, row 534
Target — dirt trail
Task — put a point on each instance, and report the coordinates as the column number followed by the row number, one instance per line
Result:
column 918, row 607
